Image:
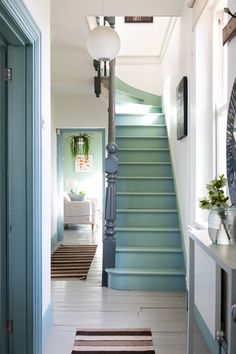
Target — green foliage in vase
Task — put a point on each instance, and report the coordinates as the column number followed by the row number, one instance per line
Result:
column 216, row 195
column 80, row 144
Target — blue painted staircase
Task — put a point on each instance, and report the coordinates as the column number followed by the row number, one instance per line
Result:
column 149, row 253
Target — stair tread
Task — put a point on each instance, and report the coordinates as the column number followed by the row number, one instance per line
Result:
column 139, row 114
column 142, row 229
column 143, row 163
column 136, row 105
column 141, row 125
column 144, row 177
column 122, row 105
column 143, row 149
column 151, row 271
column 149, row 249
column 132, row 210
column 146, row 193
column 141, row 137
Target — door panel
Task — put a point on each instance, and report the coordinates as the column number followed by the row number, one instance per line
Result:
column 20, row 183
column 3, row 208
column 17, row 180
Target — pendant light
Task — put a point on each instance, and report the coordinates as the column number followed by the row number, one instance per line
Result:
column 103, row 43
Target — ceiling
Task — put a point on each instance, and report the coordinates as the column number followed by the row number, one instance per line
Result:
column 72, row 67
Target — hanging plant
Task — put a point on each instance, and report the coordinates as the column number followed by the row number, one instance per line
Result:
column 80, row 144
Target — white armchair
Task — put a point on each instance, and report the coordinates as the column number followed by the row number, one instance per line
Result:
column 80, row 212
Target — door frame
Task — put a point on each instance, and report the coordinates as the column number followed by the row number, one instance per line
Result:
column 18, row 28
column 60, row 188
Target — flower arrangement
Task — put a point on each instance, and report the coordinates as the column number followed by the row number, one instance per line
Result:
column 218, row 203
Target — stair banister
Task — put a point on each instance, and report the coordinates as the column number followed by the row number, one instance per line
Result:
column 111, row 163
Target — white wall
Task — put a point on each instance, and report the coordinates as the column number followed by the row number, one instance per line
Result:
column 204, row 117
column 74, row 111
column 40, row 11
column 190, row 53
column 80, row 111
column 176, row 64
column 145, row 77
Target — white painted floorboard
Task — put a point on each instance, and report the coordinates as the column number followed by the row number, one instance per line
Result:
column 86, row 304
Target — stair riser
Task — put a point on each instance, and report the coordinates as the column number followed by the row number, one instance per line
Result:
column 142, row 156
column 141, row 131
column 148, row 239
column 132, row 185
column 144, row 170
column 123, row 97
column 146, row 201
column 129, row 143
column 146, row 282
column 124, row 119
column 134, row 219
column 149, row 260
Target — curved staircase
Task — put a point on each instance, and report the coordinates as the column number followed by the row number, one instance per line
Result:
column 149, row 253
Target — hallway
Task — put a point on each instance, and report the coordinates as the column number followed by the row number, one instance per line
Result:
column 86, row 304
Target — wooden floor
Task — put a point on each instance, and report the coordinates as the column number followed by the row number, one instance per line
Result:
column 86, row 304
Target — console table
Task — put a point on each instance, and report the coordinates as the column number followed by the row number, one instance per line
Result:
column 222, row 258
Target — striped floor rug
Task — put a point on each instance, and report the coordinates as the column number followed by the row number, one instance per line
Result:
column 120, row 341
column 72, row 261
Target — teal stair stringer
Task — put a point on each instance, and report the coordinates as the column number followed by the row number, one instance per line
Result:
column 149, row 252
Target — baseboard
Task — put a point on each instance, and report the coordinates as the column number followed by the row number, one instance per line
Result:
column 54, row 240
column 47, row 323
column 209, row 339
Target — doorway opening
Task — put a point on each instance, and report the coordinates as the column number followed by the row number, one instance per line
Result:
column 80, row 220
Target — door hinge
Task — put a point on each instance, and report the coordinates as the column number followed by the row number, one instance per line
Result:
column 8, row 326
column 7, row 74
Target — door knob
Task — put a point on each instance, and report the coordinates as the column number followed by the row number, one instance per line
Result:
column 233, row 312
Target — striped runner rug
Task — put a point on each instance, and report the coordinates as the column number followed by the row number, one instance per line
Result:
column 72, row 261
column 120, row 341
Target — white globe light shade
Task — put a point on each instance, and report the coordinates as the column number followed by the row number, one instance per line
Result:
column 103, row 43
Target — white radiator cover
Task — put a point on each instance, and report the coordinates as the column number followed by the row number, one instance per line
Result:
column 205, row 288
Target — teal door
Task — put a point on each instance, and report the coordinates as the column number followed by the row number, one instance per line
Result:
column 3, row 203
column 20, row 183
column 17, row 200
column 16, row 311
column 13, row 202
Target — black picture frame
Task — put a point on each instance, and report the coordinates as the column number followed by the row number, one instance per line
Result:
column 182, row 108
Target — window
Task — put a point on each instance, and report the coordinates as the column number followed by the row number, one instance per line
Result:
column 220, row 87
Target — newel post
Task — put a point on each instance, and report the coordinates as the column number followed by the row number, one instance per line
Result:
column 111, row 164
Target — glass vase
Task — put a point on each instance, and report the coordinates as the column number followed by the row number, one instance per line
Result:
column 222, row 225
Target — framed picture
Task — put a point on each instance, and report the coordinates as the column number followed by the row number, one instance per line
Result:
column 182, row 108
column 83, row 164
column 138, row 19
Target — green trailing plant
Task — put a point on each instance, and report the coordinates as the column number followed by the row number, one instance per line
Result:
column 80, row 144
column 216, row 195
